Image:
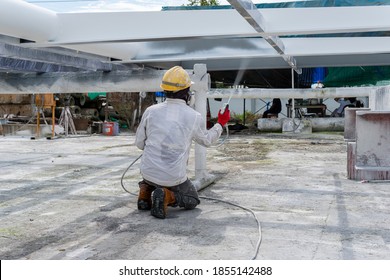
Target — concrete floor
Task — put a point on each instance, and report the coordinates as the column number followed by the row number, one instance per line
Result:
column 62, row 199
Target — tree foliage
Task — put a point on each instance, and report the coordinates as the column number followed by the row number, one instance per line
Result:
column 203, row 3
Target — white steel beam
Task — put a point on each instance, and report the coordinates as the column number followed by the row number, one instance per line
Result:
column 156, row 38
column 252, row 15
column 120, row 81
column 150, row 26
column 249, row 12
column 301, row 93
column 220, row 38
column 8, row 64
column 27, row 21
column 137, row 80
column 278, row 63
column 326, row 20
column 182, row 50
column 254, row 53
column 116, row 27
column 37, row 55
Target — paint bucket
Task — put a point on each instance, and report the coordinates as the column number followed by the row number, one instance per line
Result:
column 110, row 128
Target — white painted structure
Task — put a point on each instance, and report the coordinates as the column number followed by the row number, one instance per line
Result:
column 222, row 39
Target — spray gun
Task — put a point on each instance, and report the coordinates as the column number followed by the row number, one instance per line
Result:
column 226, row 105
column 221, row 111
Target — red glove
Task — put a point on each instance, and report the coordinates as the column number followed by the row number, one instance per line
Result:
column 225, row 117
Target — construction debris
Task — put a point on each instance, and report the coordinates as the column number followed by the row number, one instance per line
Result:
column 76, row 112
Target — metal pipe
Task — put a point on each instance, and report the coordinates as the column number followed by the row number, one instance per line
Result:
column 243, row 116
column 292, row 100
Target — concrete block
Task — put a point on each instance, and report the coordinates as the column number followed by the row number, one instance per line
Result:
column 369, row 173
column 373, row 145
column 327, row 124
column 270, row 125
column 350, row 123
column 302, row 126
column 380, row 99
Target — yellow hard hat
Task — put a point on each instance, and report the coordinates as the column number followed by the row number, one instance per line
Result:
column 175, row 79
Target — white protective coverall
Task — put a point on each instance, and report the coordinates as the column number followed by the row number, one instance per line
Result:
column 165, row 135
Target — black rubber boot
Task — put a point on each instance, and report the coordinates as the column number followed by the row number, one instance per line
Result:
column 158, row 209
column 145, row 196
column 162, row 197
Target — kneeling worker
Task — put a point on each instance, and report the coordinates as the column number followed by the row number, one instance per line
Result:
column 165, row 135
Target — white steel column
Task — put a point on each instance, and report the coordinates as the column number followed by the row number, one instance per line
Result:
column 201, row 86
column 292, row 99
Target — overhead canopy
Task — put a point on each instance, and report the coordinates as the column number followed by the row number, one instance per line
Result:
column 34, row 39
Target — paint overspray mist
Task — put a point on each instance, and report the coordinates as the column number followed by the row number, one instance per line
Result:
column 243, row 67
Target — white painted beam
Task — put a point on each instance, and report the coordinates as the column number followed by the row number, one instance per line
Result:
column 149, row 26
column 8, row 64
column 156, row 38
column 337, row 45
column 38, row 55
column 77, row 28
column 120, row 81
column 298, row 93
column 255, row 54
column 23, row 20
column 252, row 15
column 147, row 80
column 326, row 20
column 257, row 47
column 235, row 48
